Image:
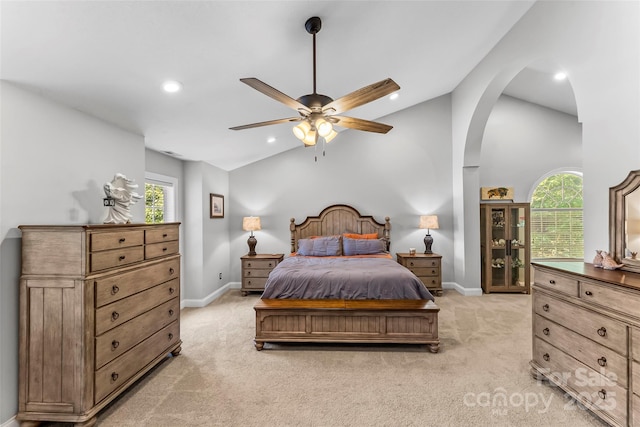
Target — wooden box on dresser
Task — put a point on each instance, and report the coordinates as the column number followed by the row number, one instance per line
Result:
column 427, row 267
column 586, row 336
column 256, row 269
column 99, row 307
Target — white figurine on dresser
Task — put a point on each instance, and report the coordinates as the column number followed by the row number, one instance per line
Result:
column 121, row 190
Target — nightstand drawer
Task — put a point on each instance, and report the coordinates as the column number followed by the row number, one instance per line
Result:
column 116, row 239
column 412, row 263
column 256, row 273
column 432, row 281
column 422, row 272
column 557, row 282
column 256, row 283
column 596, row 327
column 268, row 264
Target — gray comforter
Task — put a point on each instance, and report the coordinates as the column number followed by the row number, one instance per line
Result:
column 301, row 277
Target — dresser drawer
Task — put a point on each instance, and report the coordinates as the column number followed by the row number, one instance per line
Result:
column 254, row 272
column 557, row 282
column 161, row 234
column 614, row 299
column 160, row 249
column 112, row 288
column 635, row 343
column 268, row 264
column 116, row 373
column 118, row 340
column 116, row 239
column 254, row 283
column 119, row 312
column 605, row 394
column 635, row 378
column 636, row 410
column 592, row 354
column 412, row 263
column 115, row 258
column 594, row 326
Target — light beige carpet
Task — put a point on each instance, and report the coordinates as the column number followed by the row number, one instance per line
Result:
column 479, row 378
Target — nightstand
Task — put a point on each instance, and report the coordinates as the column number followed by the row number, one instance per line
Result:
column 256, row 269
column 427, row 267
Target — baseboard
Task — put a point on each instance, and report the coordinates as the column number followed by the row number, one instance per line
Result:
column 467, row 292
column 211, row 297
column 12, row 422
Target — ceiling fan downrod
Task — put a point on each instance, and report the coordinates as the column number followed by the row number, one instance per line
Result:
column 313, row 26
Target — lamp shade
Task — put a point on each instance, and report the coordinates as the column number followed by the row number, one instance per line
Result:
column 429, row 222
column 251, row 223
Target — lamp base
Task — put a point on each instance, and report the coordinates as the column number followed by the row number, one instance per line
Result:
column 428, row 241
column 251, row 241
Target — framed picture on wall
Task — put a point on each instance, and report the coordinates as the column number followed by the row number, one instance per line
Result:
column 496, row 193
column 216, row 206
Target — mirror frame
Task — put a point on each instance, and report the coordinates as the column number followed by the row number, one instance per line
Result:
column 617, row 220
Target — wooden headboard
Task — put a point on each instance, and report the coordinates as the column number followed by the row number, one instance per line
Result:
column 338, row 219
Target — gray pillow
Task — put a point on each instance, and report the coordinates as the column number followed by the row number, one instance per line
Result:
column 320, row 246
column 363, row 246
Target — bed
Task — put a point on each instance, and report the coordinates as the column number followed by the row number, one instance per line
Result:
column 374, row 316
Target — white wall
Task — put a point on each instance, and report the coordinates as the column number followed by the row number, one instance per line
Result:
column 597, row 44
column 524, row 141
column 54, row 163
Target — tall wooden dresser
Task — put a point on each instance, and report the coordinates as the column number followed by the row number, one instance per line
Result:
column 99, row 307
column 586, row 336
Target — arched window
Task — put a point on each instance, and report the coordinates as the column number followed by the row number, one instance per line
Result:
column 556, row 218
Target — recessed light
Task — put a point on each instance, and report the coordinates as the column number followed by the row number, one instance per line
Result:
column 560, row 76
column 271, row 139
column 394, row 95
column 171, row 86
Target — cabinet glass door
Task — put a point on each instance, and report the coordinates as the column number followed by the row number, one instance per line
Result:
column 517, row 246
column 499, row 229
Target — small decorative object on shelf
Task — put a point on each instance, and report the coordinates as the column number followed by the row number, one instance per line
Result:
column 120, row 196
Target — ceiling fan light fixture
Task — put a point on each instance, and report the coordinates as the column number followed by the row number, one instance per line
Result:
column 324, row 127
column 311, row 138
column 328, row 138
column 301, row 130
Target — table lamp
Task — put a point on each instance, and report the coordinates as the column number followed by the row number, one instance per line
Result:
column 430, row 222
column 251, row 223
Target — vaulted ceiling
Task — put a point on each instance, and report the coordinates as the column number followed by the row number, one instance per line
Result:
column 110, row 58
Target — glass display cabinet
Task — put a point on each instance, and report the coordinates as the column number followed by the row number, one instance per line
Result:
column 505, row 247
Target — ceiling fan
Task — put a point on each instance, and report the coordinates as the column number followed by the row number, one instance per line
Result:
column 317, row 112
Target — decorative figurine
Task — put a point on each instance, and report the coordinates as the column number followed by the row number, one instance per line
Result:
column 121, row 192
column 597, row 260
column 608, row 263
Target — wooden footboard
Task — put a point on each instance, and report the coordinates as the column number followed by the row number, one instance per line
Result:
column 348, row 321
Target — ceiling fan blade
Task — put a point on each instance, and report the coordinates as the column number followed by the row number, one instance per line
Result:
column 270, row 122
column 362, row 96
column 361, row 124
column 274, row 93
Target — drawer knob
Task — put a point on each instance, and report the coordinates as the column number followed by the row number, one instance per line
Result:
column 115, row 344
column 122, row 257
column 114, row 290
column 249, row 282
column 164, row 249
column 170, row 336
column 588, row 293
column 546, row 357
column 115, row 315
column 114, row 376
column 248, row 264
column 248, row 273
column 552, row 282
column 545, row 331
column 545, row 307
column 602, row 331
column 170, row 312
column 171, row 270
column 122, row 240
column 602, row 394
column 171, row 290
column 411, row 263
column 270, row 265
column 602, row 361
column 433, row 272
column 164, row 235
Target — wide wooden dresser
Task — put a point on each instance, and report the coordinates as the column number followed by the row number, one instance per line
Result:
column 586, row 336
column 99, row 307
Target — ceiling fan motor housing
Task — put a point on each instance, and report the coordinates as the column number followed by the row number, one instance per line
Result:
column 314, row 101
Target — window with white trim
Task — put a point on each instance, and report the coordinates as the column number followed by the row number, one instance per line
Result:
column 160, row 199
column 557, row 230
